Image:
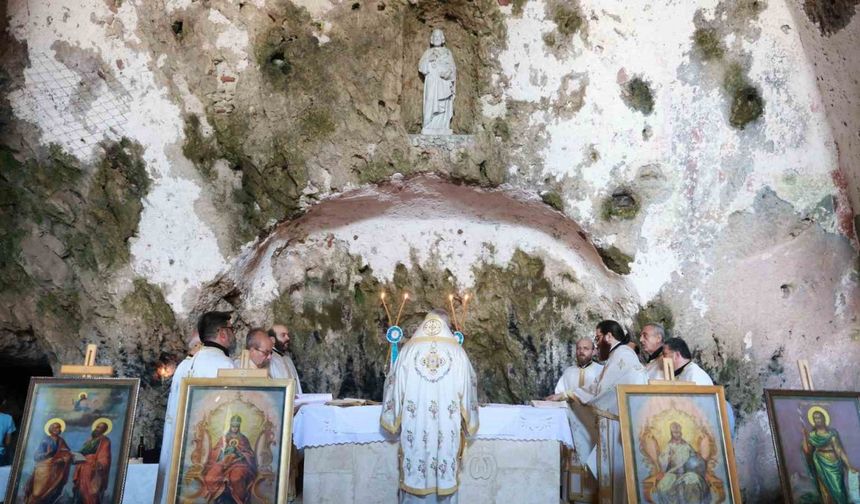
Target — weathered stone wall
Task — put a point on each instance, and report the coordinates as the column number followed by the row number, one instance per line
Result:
column 692, row 162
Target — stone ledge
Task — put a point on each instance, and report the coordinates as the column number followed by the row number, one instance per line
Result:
column 442, row 142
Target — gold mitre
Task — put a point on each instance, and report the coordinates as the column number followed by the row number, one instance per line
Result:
column 435, row 323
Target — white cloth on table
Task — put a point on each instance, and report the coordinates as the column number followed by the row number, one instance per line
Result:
column 429, row 397
column 408, row 498
column 319, row 425
column 205, row 364
column 577, row 376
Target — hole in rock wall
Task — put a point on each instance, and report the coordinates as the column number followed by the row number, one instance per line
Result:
column 21, row 358
column 462, row 39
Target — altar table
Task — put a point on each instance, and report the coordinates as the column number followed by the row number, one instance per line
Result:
column 514, row 457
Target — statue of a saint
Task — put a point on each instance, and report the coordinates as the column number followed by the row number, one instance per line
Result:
column 440, row 74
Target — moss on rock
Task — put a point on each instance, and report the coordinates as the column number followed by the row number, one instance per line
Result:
column 708, row 44
column 567, row 17
column 13, row 277
column 620, row 205
column 115, row 201
column 655, row 312
column 198, row 149
column 638, row 96
column 615, row 259
column 743, row 383
column 339, row 324
column 146, row 302
column 60, row 308
column 517, row 7
column 747, row 106
column 553, row 199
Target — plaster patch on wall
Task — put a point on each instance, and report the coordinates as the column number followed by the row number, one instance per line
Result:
column 656, row 258
column 316, row 8
column 231, row 37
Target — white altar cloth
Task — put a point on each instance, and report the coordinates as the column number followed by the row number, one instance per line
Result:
column 320, row 425
column 139, row 483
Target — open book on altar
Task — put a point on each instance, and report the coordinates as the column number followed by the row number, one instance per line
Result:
column 350, row 401
column 302, row 399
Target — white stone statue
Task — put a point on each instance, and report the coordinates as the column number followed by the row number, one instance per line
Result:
column 440, row 75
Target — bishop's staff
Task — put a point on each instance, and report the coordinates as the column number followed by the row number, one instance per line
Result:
column 394, row 334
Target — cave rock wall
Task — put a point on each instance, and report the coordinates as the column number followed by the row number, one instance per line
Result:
column 688, row 162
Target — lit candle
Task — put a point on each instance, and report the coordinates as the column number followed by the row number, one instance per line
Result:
column 400, row 311
column 385, row 305
column 453, row 311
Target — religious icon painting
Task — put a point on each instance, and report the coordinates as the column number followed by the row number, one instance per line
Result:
column 74, row 441
column 677, row 446
column 816, row 436
column 233, row 440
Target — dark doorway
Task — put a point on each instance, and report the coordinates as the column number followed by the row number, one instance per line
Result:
column 13, row 392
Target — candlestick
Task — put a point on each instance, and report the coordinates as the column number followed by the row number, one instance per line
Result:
column 385, row 305
column 453, row 312
column 400, row 311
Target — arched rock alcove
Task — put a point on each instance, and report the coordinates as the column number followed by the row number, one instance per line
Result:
column 537, row 282
column 469, row 34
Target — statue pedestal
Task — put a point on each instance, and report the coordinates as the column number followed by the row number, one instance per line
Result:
column 447, row 143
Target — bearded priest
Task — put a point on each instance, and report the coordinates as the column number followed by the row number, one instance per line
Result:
column 621, row 367
column 431, row 399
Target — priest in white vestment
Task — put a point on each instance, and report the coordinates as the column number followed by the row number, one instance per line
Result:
column 585, row 373
column 651, row 339
column 621, row 367
column 677, row 351
column 282, row 364
column 260, row 351
column 216, row 333
column 431, row 399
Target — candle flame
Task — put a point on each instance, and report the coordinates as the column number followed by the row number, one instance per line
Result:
column 382, row 295
column 165, row 371
column 406, row 296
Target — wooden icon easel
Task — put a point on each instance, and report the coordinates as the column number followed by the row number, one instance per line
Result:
column 246, row 369
column 88, row 368
column 805, row 375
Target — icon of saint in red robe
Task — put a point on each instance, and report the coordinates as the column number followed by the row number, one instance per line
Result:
column 231, row 467
column 91, row 476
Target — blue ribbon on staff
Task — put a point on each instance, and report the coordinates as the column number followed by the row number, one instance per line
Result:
column 394, row 334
